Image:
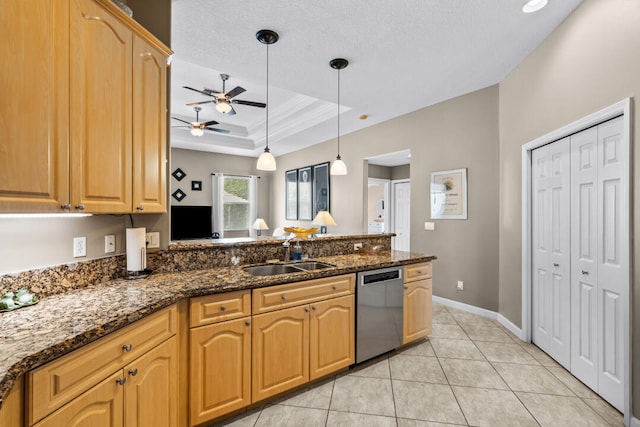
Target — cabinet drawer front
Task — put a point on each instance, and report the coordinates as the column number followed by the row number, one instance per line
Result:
column 217, row 308
column 282, row 296
column 415, row 272
column 56, row 383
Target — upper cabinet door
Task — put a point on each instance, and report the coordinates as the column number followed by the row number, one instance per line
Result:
column 34, row 113
column 100, row 105
column 149, row 127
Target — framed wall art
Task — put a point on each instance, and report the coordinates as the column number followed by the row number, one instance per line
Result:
column 291, row 191
column 305, row 194
column 449, row 194
column 320, row 188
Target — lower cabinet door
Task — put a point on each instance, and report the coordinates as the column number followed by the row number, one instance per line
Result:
column 417, row 310
column 280, row 352
column 220, row 369
column 100, row 406
column 151, row 389
column 331, row 335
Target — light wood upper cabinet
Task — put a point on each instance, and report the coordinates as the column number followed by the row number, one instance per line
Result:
column 82, row 124
column 417, row 316
column 34, row 112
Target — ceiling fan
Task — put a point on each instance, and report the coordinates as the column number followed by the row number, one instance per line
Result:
column 198, row 127
column 224, row 100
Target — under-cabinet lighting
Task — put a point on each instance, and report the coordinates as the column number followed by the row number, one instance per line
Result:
column 42, row 215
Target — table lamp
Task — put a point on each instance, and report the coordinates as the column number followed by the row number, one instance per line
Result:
column 259, row 225
column 323, row 218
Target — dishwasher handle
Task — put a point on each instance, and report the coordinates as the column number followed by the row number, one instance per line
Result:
column 378, row 277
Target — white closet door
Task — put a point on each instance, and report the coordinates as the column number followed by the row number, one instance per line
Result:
column 613, row 256
column 401, row 216
column 584, row 246
column 551, row 286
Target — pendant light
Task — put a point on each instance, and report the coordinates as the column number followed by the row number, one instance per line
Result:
column 266, row 161
column 338, row 167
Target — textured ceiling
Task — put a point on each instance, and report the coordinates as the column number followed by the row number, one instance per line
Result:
column 404, row 55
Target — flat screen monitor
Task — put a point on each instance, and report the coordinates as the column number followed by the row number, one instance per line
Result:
column 191, row 222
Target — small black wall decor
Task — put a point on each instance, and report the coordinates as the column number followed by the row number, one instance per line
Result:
column 196, row 185
column 179, row 195
column 178, row 174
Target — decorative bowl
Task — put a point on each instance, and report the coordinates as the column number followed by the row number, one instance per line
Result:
column 300, row 232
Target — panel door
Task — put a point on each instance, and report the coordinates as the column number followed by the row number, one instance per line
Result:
column 220, row 369
column 613, row 261
column 551, row 281
column 151, row 390
column 280, row 352
column 100, row 105
column 401, row 216
column 417, row 310
column 101, row 406
column 149, row 128
column 331, row 336
column 34, row 113
column 584, row 247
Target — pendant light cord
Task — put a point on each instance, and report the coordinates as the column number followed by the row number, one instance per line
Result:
column 338, row 114
column 267, row 108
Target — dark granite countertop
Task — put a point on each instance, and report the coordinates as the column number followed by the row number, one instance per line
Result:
column 58, row 324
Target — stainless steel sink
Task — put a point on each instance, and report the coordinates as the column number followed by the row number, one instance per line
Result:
column 313, row 265
column 271, row 269
column 274, row 269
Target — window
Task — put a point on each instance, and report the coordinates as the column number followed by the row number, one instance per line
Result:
column 236, row 203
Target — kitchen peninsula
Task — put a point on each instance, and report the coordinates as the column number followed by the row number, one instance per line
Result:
column 70, row 317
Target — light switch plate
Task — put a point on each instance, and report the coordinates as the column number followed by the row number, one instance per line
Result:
column 430, row 226
column 153, row 240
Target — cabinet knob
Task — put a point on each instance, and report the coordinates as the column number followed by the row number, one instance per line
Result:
column 306, row 309
column 313, row 308
column 419, row 271
column 334, row 287
column 140, row 207
column 80, row 207
column 247, row 323
column 66, row 206
column 223, row 308
column 127, row 347
column 284, row 297
column 133, row 372
column 406, row 287
column 121, row 380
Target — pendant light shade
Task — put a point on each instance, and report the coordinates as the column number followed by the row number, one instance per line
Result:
column 266, row 161
column 338, row 167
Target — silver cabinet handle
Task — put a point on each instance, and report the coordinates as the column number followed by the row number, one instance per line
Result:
column 121, row 380
column 133, row 372
column 555, row 264
column 586, row 273
column 284, row 297
column 313, row 308
column 223, row 308
column 306, row 309
column 334, row 287
column 127, row 347
column 140, row 207
column 66, row 206
column 80, row 207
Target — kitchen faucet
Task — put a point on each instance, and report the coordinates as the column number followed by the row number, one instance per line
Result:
column 287, row 245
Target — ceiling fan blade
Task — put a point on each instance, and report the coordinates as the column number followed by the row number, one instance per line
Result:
column 209, row 123
column 218, row 130
column 251, row 103
column 231, row 112
column 199, row 103
column 196, row 90
column 180, row 120
column 210, row 92
column 235, row 92
column 180, row 126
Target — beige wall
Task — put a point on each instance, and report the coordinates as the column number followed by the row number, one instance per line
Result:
column 591, row 61
column 462, row 132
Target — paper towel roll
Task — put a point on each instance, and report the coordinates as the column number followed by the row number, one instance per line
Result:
column 136, row 249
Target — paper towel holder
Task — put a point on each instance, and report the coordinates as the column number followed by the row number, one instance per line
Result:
column 136, row 246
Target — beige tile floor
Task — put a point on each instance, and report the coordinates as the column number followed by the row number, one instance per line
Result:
column 471, row 371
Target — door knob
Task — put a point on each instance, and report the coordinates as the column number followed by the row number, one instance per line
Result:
column 584, row 272
column 555, row 264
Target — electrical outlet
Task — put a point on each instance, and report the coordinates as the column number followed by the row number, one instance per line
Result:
column 357, row 246
column 79, row 247
column 460, row 285
column 109, row 243
column 153, row 240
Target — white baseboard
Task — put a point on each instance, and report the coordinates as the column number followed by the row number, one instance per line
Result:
column 481, row 312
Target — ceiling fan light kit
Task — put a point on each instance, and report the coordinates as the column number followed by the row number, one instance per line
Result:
column 197, row 128
column 338, row 167
column 266, row 161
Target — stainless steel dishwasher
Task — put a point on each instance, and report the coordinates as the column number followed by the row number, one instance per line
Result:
column 379, row 296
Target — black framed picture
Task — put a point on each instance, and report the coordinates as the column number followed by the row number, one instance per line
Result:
column 291, row 191
column 196, row 185
column 305, row 194
column 321, row 188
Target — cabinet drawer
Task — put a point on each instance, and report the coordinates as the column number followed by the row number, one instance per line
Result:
column 282, row 296
column 56, row 383
column 217, row 308
column 413, row 272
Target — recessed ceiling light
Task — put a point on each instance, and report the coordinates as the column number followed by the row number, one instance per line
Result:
column 534, row 5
